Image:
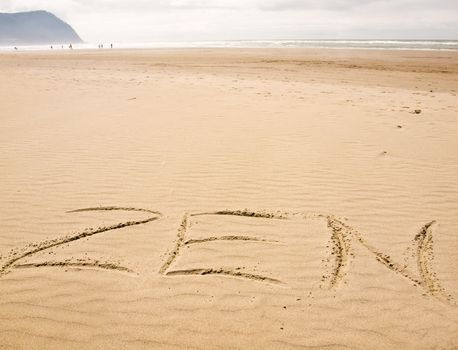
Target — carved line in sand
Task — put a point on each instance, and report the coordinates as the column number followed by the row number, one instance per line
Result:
column 180, row 242
column 342, row 236
column 425, row 253
column 13, row 262
column 79, row 263
column 340, row 241
column 229, row 238
column 424, row 256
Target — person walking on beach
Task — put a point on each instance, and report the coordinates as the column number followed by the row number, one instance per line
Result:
column 70, row 47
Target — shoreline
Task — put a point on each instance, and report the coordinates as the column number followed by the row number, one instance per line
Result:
column 339, row 44
column 8, row 49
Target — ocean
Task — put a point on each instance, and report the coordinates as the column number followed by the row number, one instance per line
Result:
column 450, row 45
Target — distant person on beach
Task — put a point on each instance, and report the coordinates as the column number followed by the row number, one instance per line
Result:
column 15, row 48
column 51, row 47
column 111, row 45
column 70, row 47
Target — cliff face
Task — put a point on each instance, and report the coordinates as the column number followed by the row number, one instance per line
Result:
column 36, row 27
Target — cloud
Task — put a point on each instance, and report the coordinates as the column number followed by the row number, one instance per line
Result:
column 163, row 20
column 332, row 5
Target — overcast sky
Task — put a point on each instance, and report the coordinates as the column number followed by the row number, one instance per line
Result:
column 181, row 20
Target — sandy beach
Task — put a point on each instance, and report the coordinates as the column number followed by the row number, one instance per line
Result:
column 229, row 199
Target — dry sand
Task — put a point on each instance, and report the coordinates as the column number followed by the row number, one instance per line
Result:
column 232, row 199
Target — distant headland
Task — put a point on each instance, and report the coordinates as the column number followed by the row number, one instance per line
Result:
column 35, row 27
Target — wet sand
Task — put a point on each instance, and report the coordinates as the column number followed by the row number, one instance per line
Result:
column 229, row 199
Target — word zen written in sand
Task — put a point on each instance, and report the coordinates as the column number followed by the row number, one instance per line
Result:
column 342, row 238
